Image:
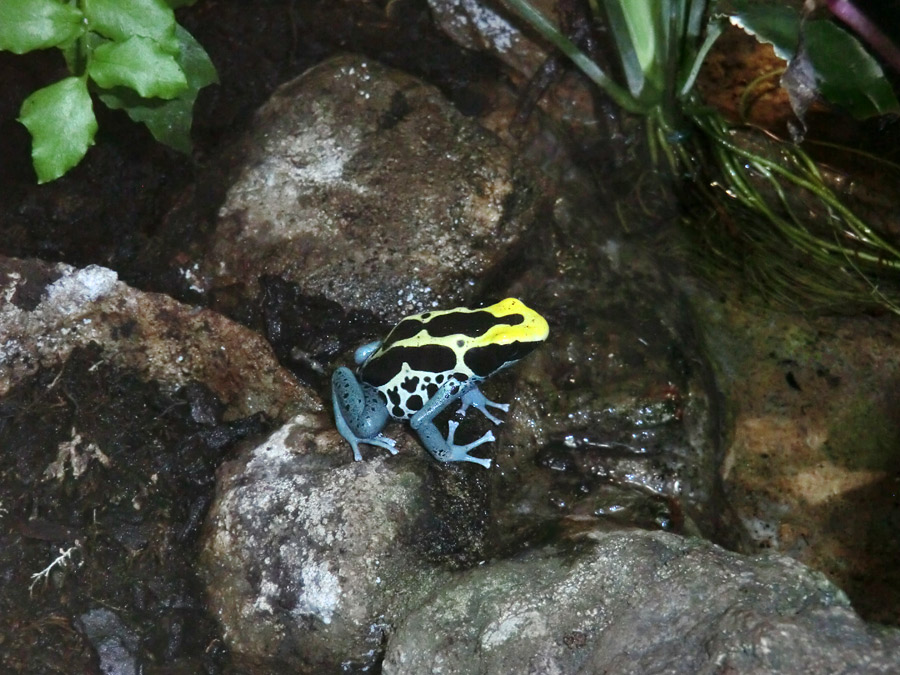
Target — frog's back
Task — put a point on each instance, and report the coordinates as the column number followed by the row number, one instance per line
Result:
column 426, row 351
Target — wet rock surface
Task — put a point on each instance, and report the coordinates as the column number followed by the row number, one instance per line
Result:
column 310, row 559
column 109, row 446
column 812, row 467
column 480, row 27
column 365, row 186
column 543, row 80
column 172, row 500
column 50, row 310
column 639, row 602
column 623, row 417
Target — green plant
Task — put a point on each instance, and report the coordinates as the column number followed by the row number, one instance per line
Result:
column 791, row 232
column 132, row 53
column 823, row 58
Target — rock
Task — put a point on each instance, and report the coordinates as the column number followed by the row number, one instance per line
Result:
column 617, row 416
column 541, row 75
column 50, row 309
column 363, row 185
column 114, row 643
column 812, row 468
column 478, row 26
column 310, row 558
column 639, row 602
column 112, row 404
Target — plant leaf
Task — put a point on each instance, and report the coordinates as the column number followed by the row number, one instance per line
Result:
column 77, row 52
column 139, row 63
column 846, row 74
column 194, row 61
column 842, row 70
column 26, row 25
column 628, row 52
column 689, row 77
column 776, row 25
column 122, row 19
column 170, row 121
column 695, row 15
column 60, row 119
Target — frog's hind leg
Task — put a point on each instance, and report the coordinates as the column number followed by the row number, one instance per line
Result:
column 359, row 413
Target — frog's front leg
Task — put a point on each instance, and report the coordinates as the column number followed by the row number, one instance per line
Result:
column 473, row 397
column 445, row 450
column 359, row 412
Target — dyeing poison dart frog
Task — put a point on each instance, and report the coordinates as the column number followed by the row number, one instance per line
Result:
column 424, row 364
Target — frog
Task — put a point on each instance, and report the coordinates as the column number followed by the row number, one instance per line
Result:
column 424, row 364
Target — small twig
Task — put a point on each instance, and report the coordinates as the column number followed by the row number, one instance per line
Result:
column 60, row 561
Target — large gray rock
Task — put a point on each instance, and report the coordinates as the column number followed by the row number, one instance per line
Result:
column 365, row 186
column 310, row 557
column 639, row 603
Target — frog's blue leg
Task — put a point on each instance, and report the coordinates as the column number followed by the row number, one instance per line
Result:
column 445, row 450
column 473, row 397
column 359, row 413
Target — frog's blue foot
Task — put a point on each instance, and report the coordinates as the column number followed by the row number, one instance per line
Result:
column 460, row 453
column 380, row 440
column 444, row 449
column 473, row 397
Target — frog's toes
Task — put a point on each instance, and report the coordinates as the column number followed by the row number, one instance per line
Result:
column 460, row 453
column 480, row 402
column 382, row 441
column 357, row 455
